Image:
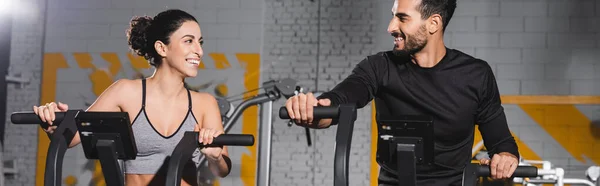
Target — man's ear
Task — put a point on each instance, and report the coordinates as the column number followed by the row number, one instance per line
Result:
column 434, row 24
column 160, row 48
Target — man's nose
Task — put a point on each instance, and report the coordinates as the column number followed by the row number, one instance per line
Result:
column 393, row 26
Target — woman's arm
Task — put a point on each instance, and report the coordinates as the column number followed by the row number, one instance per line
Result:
column 108, row 101
column 211, row 124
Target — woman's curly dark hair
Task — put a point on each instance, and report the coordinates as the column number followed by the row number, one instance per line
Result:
column 144, row 31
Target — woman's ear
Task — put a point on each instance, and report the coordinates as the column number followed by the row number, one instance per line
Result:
column 160, row 48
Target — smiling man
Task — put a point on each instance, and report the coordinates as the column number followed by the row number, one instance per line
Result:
column 421, row 76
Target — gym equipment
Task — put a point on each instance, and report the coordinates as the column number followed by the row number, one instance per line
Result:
column 550, row 175
column 188, row 144
column 346, row 115
column 107, row 136
column 412, row 137
column 593, row 174
column 407, row 144
column 472, row 172
column 273, row 91
column 59, row 140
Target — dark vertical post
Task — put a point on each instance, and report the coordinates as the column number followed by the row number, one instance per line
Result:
column 5, row 37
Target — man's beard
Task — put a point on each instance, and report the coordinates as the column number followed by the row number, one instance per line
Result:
column 412, row 44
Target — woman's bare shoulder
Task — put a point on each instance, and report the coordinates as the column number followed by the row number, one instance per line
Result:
column 125, row 90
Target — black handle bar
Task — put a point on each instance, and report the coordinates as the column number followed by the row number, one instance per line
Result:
column 232, row 140
column 473, row 171
column 189, row 143
column 318, row 112
column 521, row 171
column 29, row 117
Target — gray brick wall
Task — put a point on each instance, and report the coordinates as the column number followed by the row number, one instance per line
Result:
column 290, row 50
column 25, row 61
column 537, row 47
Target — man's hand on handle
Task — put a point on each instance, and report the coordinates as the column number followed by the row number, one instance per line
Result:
column 502, row 165
column 300, row 109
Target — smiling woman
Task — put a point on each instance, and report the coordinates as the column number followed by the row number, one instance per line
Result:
column 160, row 107
column 151, row 38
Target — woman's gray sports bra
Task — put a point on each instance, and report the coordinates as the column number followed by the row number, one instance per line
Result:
column 154, row 149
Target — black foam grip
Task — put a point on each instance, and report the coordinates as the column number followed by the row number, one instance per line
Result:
column 521, row 171
column 318, row 112
column 32, row 118
column 234, row 140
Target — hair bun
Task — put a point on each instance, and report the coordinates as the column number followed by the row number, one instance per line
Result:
column 136, row 35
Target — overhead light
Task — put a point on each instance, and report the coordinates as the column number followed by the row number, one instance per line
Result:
column 5, row 6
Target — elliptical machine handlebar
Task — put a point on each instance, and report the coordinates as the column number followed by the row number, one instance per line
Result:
column 189, row 143
column 473, row 171
column 346, row 114
column 274, row 90
column 318, row 112
column 231, row 140
column 29, row 117
column 521, row 171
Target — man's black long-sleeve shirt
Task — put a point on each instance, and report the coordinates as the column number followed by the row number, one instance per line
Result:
column 458, row 92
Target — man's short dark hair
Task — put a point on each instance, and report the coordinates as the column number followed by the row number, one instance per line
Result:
column 443, row 7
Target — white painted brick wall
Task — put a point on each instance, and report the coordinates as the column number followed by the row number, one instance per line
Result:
column 522, row 40
column 571, row 40
column 499, row 24
column 475, row 39
column 542, row 55
column 522, row 8
column 596, row 71
column 509, row 87
column 499, row 55
column 290, row 50
column 20, row 141
column 585, row 87
column 462, row 23
column 477, row 8
column 520, row 71
column 573, row 71
column 545, row 87
column 573, row 8
column 541, row 24
column 99, row 26
column 218, row 4
column 597, row 8
column 585, row 24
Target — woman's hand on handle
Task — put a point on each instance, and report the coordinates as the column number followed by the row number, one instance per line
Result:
column 47, row 115
column 300, row 109
column 205, row 137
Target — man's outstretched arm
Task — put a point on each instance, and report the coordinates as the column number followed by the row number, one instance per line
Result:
column 359, row 87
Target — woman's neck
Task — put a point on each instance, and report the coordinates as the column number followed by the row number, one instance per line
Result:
column 166, row 82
